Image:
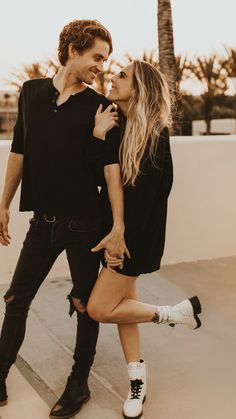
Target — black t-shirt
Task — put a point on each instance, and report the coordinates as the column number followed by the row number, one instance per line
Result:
column 145, row 205
column 59, row 176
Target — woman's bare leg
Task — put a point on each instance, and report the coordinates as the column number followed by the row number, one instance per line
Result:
column 129, row 335
column 108, row 302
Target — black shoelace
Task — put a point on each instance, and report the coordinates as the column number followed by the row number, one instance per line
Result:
column 136, row 387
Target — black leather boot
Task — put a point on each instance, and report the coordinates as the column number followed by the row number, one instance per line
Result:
column 74, row 396
column 3, row 388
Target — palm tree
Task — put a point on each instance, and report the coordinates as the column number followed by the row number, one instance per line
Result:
column 148, row 56
column 180, row 98
column 181, row 70
column 6, row 96
column 230, row 65
column 33, row 71
column 211, row 73
column 166, row 42
column 167, row 55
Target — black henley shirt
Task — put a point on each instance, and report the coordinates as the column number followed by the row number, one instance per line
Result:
column 59, row 176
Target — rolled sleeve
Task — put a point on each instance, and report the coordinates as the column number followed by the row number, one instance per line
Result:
column 112, row 146
column 95, row 150
column 18, row 133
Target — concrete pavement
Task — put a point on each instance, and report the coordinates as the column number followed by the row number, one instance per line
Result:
column 191, row 375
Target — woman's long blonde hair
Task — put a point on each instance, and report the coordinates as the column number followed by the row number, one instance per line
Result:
column 149, row 112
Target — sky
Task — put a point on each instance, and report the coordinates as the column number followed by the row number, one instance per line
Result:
column 29, row 30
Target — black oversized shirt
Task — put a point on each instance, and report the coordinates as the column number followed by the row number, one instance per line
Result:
column 145, row 205
column 59, row 177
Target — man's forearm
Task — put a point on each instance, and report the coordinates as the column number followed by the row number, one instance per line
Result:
column 12, row 179
column 116, row 196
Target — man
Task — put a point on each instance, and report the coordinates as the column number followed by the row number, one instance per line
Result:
column 52, row 153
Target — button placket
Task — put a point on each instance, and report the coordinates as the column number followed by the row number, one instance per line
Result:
column 54, row 102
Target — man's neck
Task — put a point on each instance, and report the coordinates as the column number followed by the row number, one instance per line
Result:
column 66, row 82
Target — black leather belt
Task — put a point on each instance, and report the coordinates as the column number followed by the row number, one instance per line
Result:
column 75, row 223
column 49, row 218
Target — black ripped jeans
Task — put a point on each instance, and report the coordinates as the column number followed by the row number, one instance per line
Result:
column 43, row 244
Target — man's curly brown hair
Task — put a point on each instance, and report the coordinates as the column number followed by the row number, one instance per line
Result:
column 81, row 34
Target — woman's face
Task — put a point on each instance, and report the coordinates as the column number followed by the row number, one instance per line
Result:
column 122, row 85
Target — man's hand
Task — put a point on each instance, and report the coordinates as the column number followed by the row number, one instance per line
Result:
column 115, row 248
column 4, row 220
column 104, row 121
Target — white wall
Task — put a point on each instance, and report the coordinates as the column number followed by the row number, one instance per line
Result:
column 202, row 206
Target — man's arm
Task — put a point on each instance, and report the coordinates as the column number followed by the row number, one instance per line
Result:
column 14, row 171
column 12, row 181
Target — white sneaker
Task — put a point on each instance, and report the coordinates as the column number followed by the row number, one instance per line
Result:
column 185, row 313
column 133, row 406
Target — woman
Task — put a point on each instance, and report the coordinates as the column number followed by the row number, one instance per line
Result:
column 142, row 96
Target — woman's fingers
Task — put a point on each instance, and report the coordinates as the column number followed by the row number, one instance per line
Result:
column 99, row 110
column 113, row 266
column 109, row 257
column 110, row 268
column 108, row 109
column 114, row 262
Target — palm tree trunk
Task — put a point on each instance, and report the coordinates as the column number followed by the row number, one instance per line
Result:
column 166, row 42
column 166, row 51
column 208, row 104
column 208, row 126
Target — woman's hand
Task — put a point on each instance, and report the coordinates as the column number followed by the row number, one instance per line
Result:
column 113, row 262
column 104, row 121
column 115, row 248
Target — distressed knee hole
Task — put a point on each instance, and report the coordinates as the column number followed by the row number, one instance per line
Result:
column 76, row 305
column 79, row 305
column 9, row 299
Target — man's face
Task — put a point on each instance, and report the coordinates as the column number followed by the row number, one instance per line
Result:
column 88, row 64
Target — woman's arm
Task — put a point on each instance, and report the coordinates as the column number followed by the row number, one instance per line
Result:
column 116, row 196
column 106, row 127
column 104, row 122
column 114, row 242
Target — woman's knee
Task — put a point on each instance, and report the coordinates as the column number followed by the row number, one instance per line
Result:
column 96, row 312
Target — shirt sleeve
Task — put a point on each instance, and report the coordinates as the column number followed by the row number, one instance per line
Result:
column 95, row 150
column 18, row 132
column 96, row 146
column 168, row 163
column 112, row 146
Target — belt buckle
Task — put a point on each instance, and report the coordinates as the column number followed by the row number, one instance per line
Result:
column 49, row 220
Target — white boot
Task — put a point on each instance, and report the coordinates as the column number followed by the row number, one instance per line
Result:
column 133, row 406
column 185, row 313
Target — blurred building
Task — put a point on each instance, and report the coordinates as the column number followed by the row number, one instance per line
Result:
column 8, row 113
column 218, row 127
